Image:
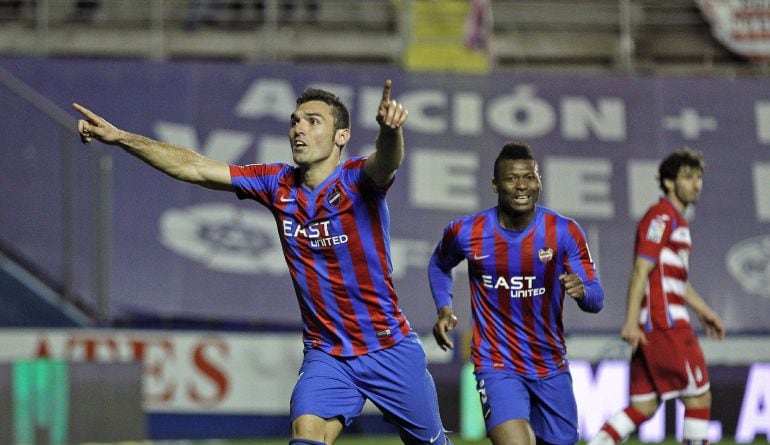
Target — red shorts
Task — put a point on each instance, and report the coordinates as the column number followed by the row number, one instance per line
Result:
column 671, row 365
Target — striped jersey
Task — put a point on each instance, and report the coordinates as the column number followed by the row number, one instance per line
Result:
column 516, row 297
column 336, row 242
column 663, row 237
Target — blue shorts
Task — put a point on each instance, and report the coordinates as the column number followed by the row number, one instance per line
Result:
column 395, row 379
column 548, row 403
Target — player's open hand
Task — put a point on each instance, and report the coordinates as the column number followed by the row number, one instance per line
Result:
column 390, row 113
column 446, row 322
column 633, row 335
column 572, row 285
column 713, row 325
column 94, row 126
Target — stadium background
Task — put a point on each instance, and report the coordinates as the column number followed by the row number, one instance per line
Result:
column 167, row 310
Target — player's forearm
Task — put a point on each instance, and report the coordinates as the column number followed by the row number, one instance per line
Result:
column 695, row 301
column 593, row 298
column 441, row 284
column 390, row 148
column 635, row 297
column 178, row 162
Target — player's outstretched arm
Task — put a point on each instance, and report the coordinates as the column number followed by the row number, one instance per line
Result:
column 391, row 115
column 178, row 162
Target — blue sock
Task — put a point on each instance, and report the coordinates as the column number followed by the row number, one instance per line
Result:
column 305, row 442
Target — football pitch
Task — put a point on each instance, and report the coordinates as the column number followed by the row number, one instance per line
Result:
column 393, row 440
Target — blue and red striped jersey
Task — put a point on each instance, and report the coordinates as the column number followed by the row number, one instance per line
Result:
column 516, row 297
column 336, row 242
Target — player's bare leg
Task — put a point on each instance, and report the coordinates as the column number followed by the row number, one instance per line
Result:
column 316, row 428
column 513, row 432
column 697, row 413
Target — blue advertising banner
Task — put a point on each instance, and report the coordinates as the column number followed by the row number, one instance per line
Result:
column 183, row 251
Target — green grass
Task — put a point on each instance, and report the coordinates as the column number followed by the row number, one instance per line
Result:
column 352, row 439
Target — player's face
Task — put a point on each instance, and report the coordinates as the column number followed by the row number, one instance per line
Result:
column 687, row 186
column 312, row 134
column 517, row 185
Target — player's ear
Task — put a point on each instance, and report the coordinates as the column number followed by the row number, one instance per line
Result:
column 342, row 136
column 494, row 185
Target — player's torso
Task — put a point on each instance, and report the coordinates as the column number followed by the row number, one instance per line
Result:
column 516, row 306
column 664, row 304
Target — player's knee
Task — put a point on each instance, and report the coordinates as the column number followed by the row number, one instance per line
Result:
column 699, row 401
column 308, row 428
column 646, row 408
column 439, row 439
column 305, row 442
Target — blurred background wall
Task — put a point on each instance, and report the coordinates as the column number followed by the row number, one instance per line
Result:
column 91, row 238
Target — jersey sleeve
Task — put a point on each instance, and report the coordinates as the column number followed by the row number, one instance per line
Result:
column 256, row 181
column 580, row 262
column 651, row 235
column 354, row 176
column 446, row 256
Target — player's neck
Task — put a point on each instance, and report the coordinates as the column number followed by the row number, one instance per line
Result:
column 678, row 204
column 518, row 221
column 315, row 174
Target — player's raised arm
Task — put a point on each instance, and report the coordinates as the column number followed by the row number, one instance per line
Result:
column 178, row 162
column 391, row 115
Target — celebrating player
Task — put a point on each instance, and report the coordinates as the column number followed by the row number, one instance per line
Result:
column 667, row 361
column 333, row 223
column 522, row 260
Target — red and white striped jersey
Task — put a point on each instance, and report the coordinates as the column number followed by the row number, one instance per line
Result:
column 663, row 237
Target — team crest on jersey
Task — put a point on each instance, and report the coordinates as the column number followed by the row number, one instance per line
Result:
column 334, row 197
column 656, row 229
column 545, row 255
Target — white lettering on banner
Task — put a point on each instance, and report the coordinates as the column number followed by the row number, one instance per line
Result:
column 274, row 98
column 423, row 106
column 579, row 187
column 761, row 175
column 222, row 145
column 441, row 179
column 409, row 253
column 467, row 115
column 597, row 392
column 689, row 123
column 520, row 114
column 642, row 192
column 608, row 122
column 755, row 410
column 762, row 119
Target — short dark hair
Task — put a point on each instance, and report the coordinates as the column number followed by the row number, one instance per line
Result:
column 514, row 150
column 683, row 157
column 339, row 110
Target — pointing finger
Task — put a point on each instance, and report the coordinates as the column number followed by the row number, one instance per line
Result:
column 85, row 111
column 386, row 91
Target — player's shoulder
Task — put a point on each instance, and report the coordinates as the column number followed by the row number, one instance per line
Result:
column 277, row 169
column 354, row 163
column 659, row 211
column 469, row 220
column 560, row 217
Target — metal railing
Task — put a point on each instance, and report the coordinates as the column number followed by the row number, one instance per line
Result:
column 605, row 35
column 100, row 206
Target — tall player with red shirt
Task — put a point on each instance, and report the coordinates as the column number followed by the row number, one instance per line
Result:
column 667, row 361
column 522, row 260
column 333, row 223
